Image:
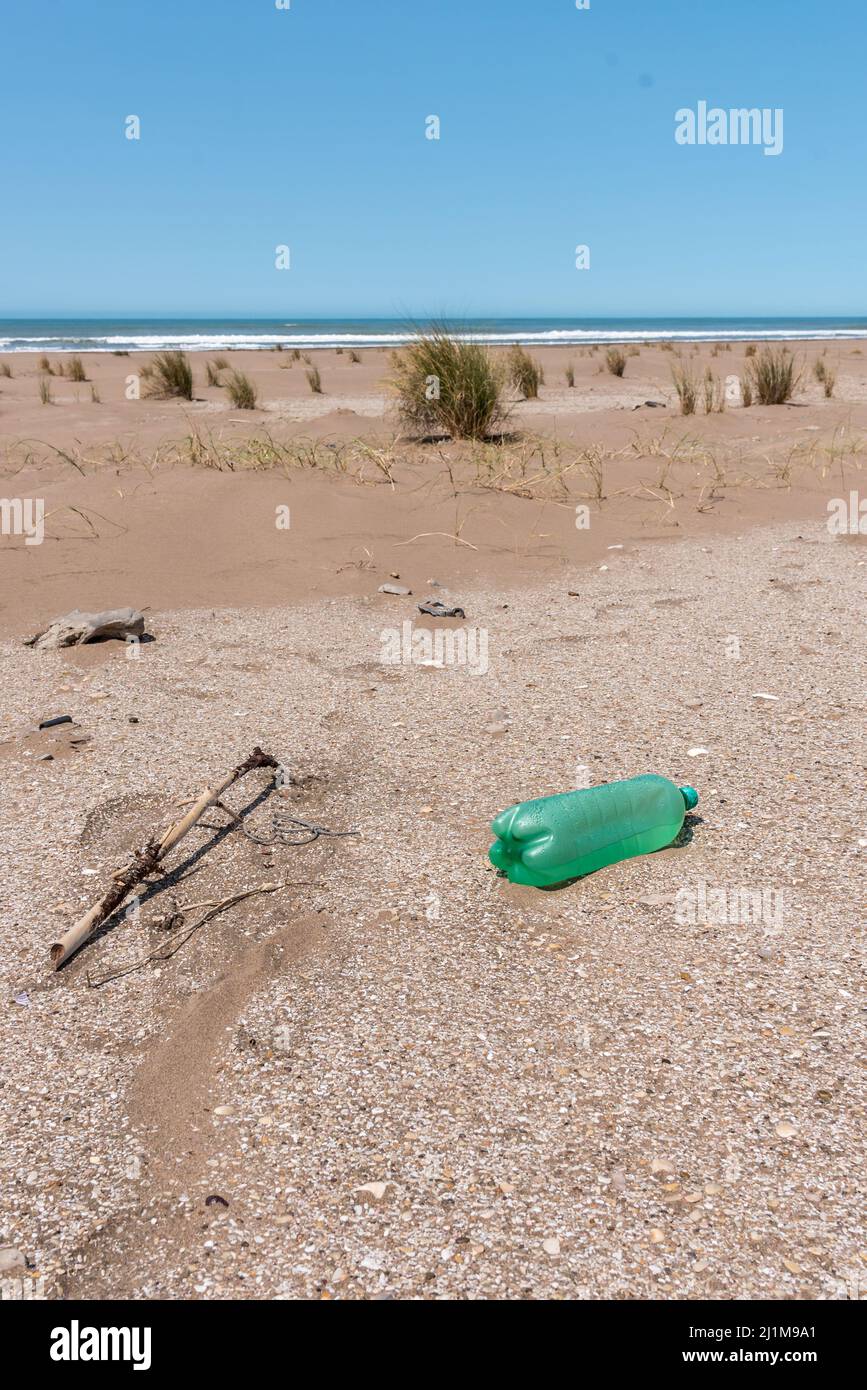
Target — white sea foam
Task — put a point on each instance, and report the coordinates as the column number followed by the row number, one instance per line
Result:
column 251, row 342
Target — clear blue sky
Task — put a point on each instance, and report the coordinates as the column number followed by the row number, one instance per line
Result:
column 306, row 127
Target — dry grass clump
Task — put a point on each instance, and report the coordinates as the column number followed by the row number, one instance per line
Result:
column 5, row 369
column 570, row 374
column 76, row 370
column 746, row 390
column 615, row 361
column 262, row 452
column 169, row 374
column 825, row 375
column 685, row 385
column 774, row 376
column 213, row 369
column 750, row 350
column 354, row 356
column 45, row 390
column 536, row 467
column 524, row 373
column 45, row 366
column 314, row 380
column 241, row 391
column 714, row 394
column 446, row 386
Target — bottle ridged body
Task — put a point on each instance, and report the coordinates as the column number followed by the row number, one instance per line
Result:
column 555, row 838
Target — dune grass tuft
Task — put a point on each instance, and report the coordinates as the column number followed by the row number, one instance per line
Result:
column 314, row 380
column 45, row 390
column 447, row 386
column 212, row 372
column 825, row 375
column 169, row 374
column 615, row 361
column 774, row 376
column 76, row 369
column 685, row 385
column 241, row 391
column 525, row 374
column 570, row 374
column 5, row 369
column 354, row 356
column 714, row 394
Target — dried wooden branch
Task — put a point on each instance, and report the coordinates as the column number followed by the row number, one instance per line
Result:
column 146, row 861
column 76, row 628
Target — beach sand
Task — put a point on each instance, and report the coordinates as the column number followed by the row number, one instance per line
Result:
column 400, row 1076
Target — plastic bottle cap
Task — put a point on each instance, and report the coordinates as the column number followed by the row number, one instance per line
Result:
column 690, row 796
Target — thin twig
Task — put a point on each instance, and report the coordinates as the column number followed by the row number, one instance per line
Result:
column 423, row 534
column 281, row 835
column 181, row 937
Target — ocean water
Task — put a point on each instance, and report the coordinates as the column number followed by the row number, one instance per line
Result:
column 211, row 335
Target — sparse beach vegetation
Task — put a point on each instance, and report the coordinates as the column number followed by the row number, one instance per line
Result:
column 240, row 390
column 448, row 386
column 167, row 375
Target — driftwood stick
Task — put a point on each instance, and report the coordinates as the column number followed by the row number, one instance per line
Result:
column 145, row 861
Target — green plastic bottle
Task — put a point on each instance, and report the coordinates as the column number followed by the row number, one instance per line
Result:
column 555, row 838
